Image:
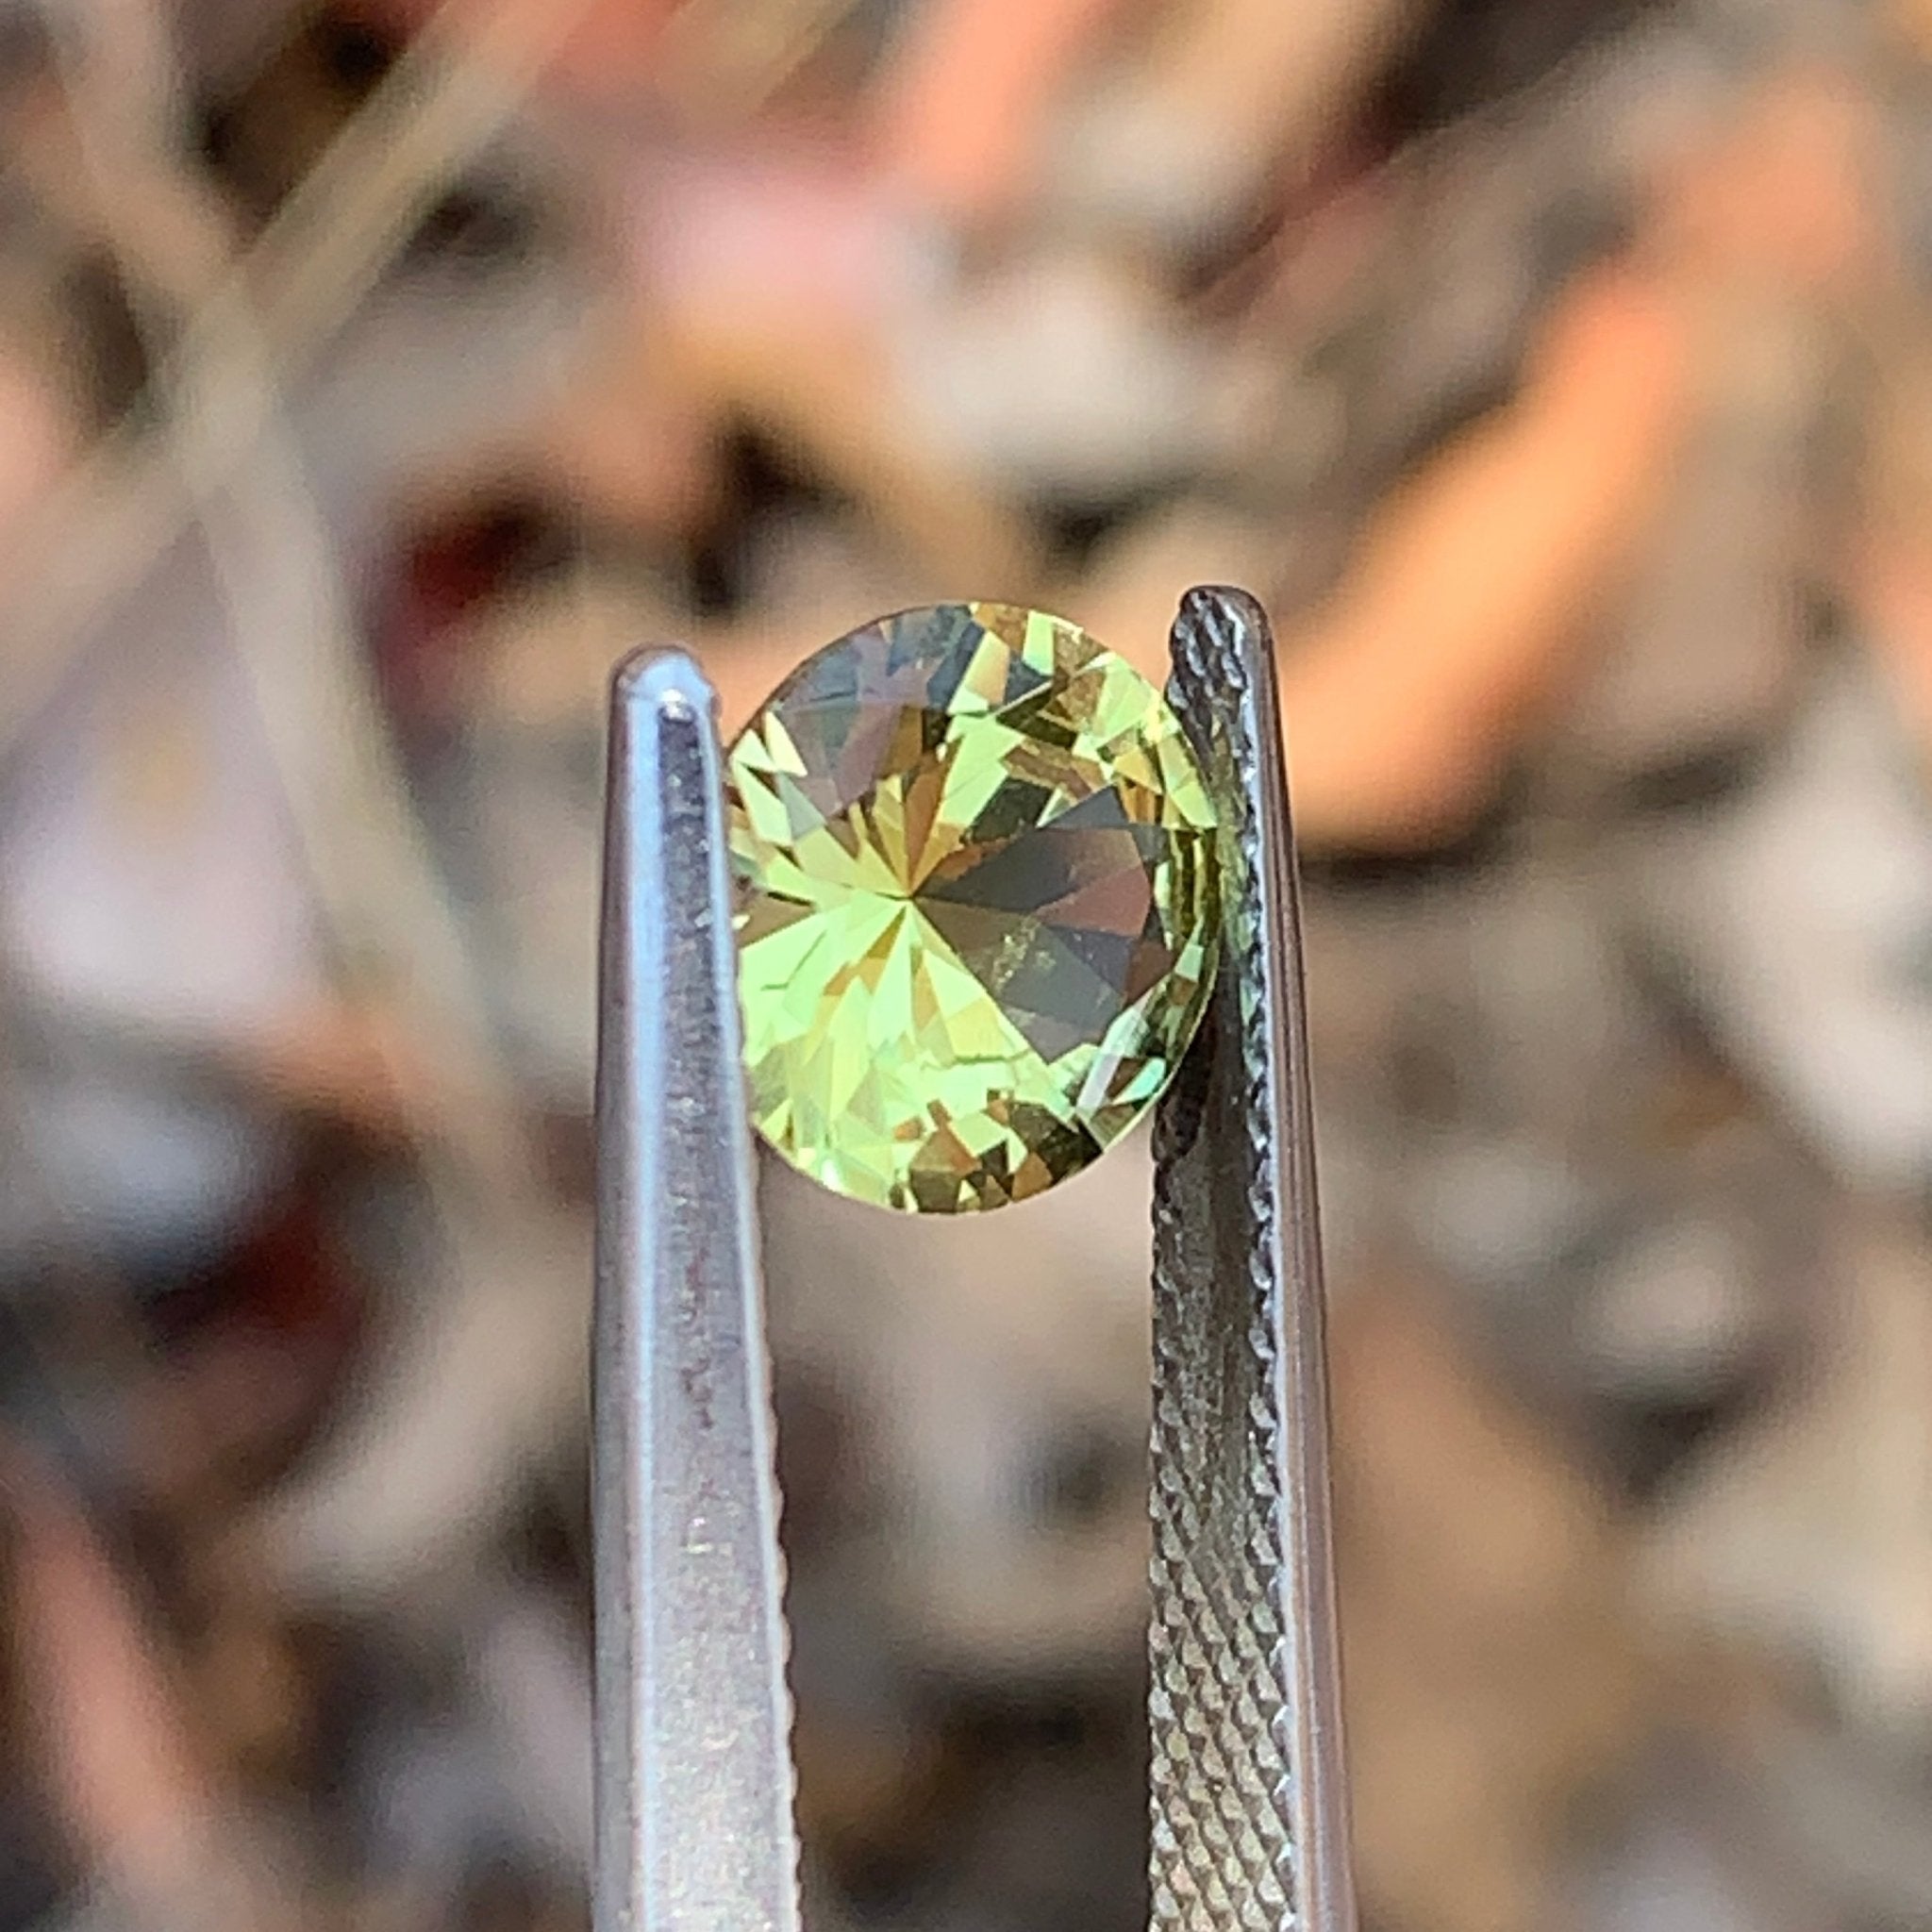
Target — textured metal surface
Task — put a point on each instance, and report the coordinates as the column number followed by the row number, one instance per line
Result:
column 694, row 1775
column 1250, row 1825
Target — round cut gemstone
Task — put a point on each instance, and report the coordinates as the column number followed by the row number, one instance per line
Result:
column 976, row 913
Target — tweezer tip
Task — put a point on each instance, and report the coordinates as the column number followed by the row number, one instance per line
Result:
column 1212, row 600
column 661, row 681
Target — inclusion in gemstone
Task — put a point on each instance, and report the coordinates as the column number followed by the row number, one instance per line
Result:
column 977, row 912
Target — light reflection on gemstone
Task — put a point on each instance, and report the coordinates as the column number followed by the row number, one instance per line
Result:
column 977, row 911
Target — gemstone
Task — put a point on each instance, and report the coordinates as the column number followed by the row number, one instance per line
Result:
column 977, row 906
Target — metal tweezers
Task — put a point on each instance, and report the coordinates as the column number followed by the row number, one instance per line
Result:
column 693, row 1769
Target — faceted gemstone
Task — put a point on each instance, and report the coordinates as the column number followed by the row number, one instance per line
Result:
column 977, row 906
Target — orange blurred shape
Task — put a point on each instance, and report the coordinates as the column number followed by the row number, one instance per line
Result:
column 967, row 95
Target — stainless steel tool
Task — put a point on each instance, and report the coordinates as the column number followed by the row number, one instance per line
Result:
column 694, row 1771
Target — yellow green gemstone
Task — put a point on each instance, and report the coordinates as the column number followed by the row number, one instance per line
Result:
column 976, row 913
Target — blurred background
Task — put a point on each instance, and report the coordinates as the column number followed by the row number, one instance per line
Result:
column 372, row 372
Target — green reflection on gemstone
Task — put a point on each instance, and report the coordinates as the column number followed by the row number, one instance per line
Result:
column 977, row 911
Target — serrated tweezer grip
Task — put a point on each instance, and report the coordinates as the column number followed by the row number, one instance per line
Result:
column 694, row 1771
column 1250, row 1814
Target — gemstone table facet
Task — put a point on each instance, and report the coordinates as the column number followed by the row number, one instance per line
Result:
column 977, row 911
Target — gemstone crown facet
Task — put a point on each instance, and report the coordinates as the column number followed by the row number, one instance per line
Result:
column 977, row 914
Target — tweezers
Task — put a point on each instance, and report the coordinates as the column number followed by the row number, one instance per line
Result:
column 695, row 1825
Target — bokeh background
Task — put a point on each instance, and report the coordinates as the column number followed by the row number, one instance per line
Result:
column 372, row 372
